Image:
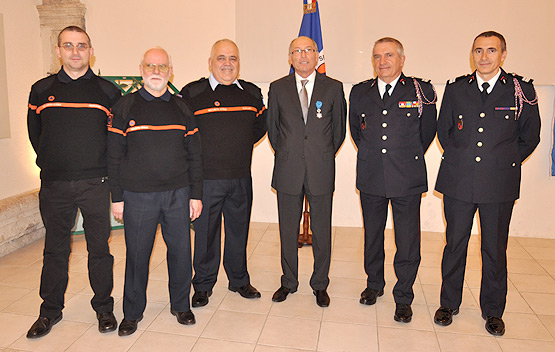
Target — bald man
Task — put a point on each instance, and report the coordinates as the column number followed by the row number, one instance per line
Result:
column 231, row 117
column 155, row 173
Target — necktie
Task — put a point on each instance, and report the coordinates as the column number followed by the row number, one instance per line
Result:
column 485, row 94
column 303, row 97
column 385, row 96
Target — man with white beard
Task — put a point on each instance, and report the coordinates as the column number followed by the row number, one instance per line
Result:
column 155, row 175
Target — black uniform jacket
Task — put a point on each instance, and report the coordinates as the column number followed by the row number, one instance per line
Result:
column 485, row 143
column 392, row 138
column 306, row 149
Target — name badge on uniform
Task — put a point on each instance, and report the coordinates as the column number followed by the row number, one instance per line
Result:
column 319, row 109
column 408, row 104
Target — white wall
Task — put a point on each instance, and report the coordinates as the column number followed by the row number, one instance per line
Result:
column 437, row 37
column 18, row 173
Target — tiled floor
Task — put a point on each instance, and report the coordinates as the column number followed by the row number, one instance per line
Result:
column 232, row 323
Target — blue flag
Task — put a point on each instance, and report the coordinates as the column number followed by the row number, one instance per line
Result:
column 310, row 27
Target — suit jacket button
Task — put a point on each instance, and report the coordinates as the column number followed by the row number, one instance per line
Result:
column 479, row 144
column 513, row 165
column 384, row 137
column 408, row 114
column 478, row 159
column 384, row 151
column 482, row 114
column 384, row 125
column 416, row 157
column 480, row 129
column 506, row 117
column 384, row 112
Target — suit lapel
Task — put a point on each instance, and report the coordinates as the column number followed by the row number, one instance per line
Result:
column 317, row 93
column 294, row 94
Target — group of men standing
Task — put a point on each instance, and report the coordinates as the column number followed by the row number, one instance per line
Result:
column 171, row 159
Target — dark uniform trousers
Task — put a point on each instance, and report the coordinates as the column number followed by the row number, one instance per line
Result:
column 290, row 209
column 142, row 213
column 406, row 220
column 494, row 224
column 59, row 201
column 233, row 199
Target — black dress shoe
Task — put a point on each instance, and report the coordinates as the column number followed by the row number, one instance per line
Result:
column 185, row 318
column 200, row 298
column 128, row 327
column 444, row 316
column 106, row 322
column 42, row 326
column 369, row 296
column 403, row 313
column 281, row 294
column 246, row 291
column 494, row 326
column 322, row 298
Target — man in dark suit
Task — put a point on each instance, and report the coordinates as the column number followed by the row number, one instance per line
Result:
column 393, row 122
column 488, row 125
column 306, row 127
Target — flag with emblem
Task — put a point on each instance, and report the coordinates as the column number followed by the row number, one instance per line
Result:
column 310, row 27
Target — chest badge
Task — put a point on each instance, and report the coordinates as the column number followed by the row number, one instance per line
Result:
column 319, row 109
column 51, row 98
column 216, row 103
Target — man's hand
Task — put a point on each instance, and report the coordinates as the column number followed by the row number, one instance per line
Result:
column 195, row 208
column 117, row 210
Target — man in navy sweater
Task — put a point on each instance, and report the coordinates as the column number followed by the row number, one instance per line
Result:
column 67, row 118
column 155, row 169
column 231, row 117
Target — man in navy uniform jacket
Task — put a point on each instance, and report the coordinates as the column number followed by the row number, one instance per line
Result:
column 488, row 125
column 393, row 122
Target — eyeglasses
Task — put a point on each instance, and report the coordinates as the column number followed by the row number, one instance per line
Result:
column 306, row 51
column 152, row 67
column 79, row 46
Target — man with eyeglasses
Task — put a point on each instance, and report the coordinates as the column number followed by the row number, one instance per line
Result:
column 231, row 118
column 393, row 122
column 306, row 127
column 67, row 118
column 488, row 125
column 155, row 170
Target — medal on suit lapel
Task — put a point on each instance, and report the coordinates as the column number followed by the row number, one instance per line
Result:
column 460, row 123
column 319, row 109
column 363, row 123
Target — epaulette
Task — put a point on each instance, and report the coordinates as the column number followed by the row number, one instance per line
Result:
column 196, row 87
column 371, row 81
column 251, row 88
column 520, row 78
column 425, row 80
column 453, row 80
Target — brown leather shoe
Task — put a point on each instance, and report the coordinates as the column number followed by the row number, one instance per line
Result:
column 42, row 326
